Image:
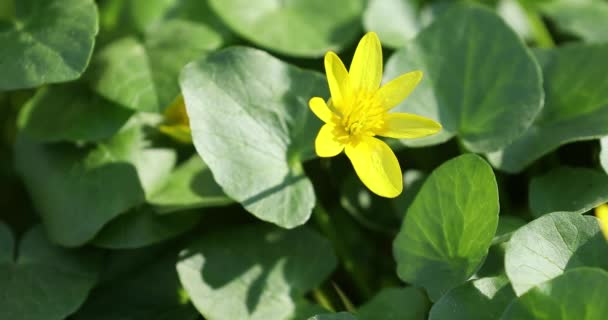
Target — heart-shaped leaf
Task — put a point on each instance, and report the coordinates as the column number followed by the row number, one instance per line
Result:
column 46, row 41
column 576, row 105
column 77, row 190
column 41, row 281
column 251, row 124
column 464, row 88
column 71, row 112
column 569, row 190
column 304, row 28
column 552, row 244
column 449, row 227
column 254, row 272
column 481, row 299
column 582, row 290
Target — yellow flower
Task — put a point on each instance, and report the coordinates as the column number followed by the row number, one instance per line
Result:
column 177, row 124
column 601, row 213
column 358, row 111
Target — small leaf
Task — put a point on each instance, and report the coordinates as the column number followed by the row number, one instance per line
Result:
column 42, row 281
column 481, row 299
column 569, row 190
column 48, row 41
column 251, row 124
column 582, row 290
column 485, row 103
column 552, row 244
column 570, row 113
column 254, row 272
column 303, row 28
column 449, row 227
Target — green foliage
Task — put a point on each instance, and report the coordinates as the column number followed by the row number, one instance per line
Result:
column 158, row 162
column 449, row 227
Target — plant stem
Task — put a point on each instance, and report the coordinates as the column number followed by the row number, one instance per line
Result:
column 542, row 36
column 322, row 299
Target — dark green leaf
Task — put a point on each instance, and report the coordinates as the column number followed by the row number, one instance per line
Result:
column 552, row 244
column 254, row 272
column 449, row 227
column 47, row 41
column 484, row 91
column 576, row 105
column 42, row 281
column 252, row 126
column 578, row 294
column 396, row 304
column 71, row 112
column 481, row 299
column 568, row 189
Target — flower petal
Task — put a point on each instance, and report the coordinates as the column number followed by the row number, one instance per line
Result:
column 601, row 213
column 408, row 126
column 320, row 109
column 392, row 93
column 377, row 166
column 326, row 144
column 337, row 79
column 366, row 68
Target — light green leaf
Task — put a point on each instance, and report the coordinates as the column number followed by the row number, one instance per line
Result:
column 604, row 154
column 303, row 28
column 46, row 41
column 552, row 244
column 449, row 227
column 569, row 190
column 77, row 190
column 144, row 75
column 570, row 113
column 481, row 299
column 190, row 185
column 71, row 112
column 578, row 294
column 396, row 304
column 148, row 289
column 143, row 226
column 253, row 272
column 485, row 103
column 42, row 281
column 334, row 316
column 252, row 126
column 395, row 21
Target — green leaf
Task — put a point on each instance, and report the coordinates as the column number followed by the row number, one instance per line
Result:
column 143, row 76
column 147, row 290
column 586, row 19
column 604, row 154
column 190, row 185
column 396, row 304
column 251, row 124
column 570, row 114
column 48, row 41
column 395, row 21
column 71, row 112
column 253, row 272
column 77, row 190
column 143, row 226
column 302, row 28
column 334, row 316
column 552, row 244
column 506, row 226
column 40, row 280
column 449, row 227
column 568, row 189
column 485, row 103
column 578, row 294
column 481, row 299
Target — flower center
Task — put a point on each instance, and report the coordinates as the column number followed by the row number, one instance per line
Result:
column 363, row 116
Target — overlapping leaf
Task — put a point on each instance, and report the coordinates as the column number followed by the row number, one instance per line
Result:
column 468, row 83
column 251, row 124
